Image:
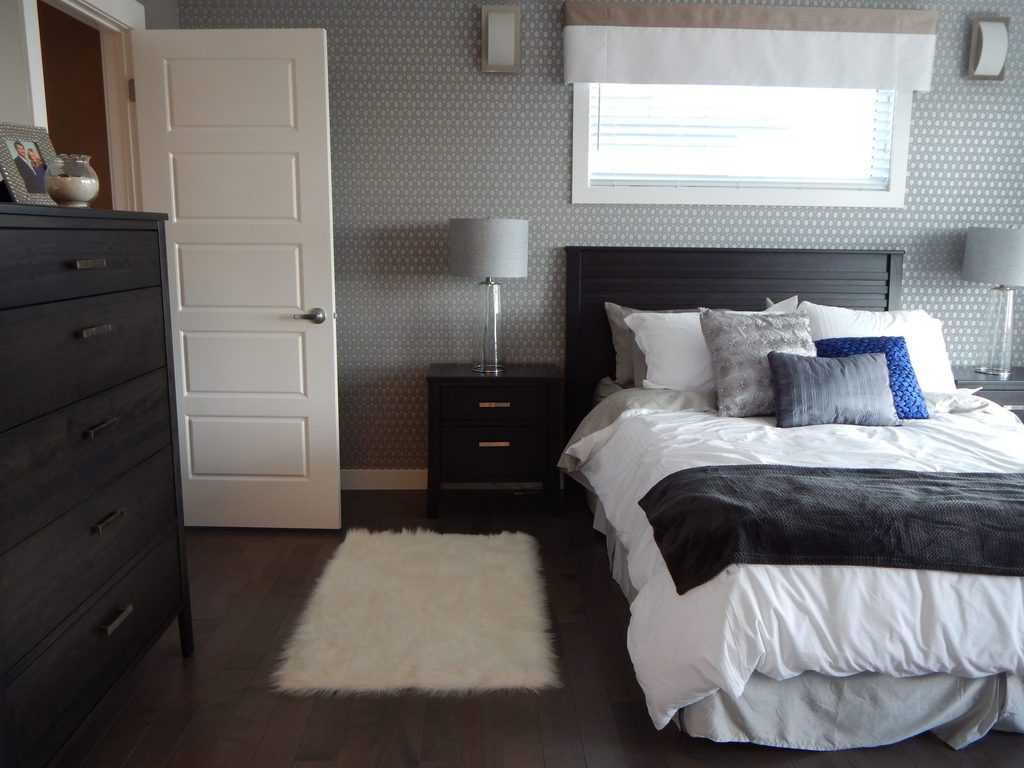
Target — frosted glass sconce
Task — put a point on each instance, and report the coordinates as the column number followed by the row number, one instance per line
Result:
column 990, row 43
column 500, row 44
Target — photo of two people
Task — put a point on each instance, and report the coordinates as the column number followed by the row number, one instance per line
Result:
column 29, row 162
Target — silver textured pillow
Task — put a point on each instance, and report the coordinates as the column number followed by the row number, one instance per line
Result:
column 739, row 344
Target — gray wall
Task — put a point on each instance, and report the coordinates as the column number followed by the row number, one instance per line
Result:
column 419, row 134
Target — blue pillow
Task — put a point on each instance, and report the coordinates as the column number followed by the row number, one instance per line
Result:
column 906, row 392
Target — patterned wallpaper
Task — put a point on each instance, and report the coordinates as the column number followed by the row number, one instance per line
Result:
column 419, row 134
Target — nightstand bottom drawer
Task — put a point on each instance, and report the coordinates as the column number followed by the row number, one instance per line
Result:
column 492, row 454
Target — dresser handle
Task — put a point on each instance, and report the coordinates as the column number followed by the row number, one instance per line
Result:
column 1014, row 408
column 505, row 404
column 109, row 520
column 91, row 432
column 111, row 628
column 83, row 264
column 104, row 329
column 494, row 444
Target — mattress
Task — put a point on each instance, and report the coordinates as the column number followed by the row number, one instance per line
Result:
column 959, row 708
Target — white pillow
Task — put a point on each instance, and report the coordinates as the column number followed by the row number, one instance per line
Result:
column 925, row 342
column 674, row 349
column 784, row 307
column 674, row 368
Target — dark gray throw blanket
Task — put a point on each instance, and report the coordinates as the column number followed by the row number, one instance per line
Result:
column 708, row 518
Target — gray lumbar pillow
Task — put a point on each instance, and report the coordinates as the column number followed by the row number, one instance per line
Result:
column 832, row 390
column 739, row 344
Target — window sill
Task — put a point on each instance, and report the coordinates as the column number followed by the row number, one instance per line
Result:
column 637, row 195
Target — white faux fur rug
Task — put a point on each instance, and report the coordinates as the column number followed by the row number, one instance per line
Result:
column 427, row 611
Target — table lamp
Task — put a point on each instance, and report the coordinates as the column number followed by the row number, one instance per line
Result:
column 996, row 257
column 488, row 249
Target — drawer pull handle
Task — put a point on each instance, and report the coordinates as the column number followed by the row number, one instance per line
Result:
column 504, row 404
column 494, row 444
column 104, row 329
column 91, row 432
column 83, row 264
column 111, row 628
column 1014, row 408
column 109, row 520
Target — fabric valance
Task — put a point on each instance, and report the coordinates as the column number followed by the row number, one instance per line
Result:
column 610, row 42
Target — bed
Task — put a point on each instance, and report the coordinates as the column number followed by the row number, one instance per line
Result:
column 841, row 683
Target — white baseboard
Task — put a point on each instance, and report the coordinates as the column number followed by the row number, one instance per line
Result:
column 383, row 479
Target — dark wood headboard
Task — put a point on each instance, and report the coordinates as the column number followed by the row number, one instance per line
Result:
column 683, row 278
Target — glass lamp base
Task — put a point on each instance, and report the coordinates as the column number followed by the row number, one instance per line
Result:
column 488, row 370
column 1000, row 356
column 490, row 340
column 1002, row 373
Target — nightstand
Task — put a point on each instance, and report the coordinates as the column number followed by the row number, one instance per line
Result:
column 501, row 433
column 1007, row 392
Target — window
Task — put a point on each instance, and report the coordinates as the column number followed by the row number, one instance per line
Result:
column 742, row 145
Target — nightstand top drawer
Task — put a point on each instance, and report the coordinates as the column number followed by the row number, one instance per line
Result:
column 506, row 404
column 513, row 373
column 968, row 378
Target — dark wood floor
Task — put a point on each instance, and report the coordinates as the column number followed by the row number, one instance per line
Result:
column 249, row 586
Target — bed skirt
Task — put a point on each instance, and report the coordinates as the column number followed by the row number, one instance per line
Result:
column 815, row 712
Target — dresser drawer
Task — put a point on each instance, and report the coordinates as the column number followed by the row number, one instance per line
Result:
column 492, row 454
column 52, row 463
column 49, row 575
column 47, row 701
column 493, row 404
column 41, row 265
column 57, row 353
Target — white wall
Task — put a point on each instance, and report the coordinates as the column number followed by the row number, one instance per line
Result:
column 18, row 72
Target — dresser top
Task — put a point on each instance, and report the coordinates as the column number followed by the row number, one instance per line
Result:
column 966, row 377
column 513, row 372
column 92, row 214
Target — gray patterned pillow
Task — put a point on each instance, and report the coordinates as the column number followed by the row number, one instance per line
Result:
column 739, row 344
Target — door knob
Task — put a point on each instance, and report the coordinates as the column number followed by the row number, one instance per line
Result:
column 315, row 315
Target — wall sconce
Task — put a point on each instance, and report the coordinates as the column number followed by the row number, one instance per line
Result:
column 500, row 45
column 990, row 42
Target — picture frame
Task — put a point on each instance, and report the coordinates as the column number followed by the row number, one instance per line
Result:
column 25, row 151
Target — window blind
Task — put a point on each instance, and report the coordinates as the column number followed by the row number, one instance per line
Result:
column 746, row 136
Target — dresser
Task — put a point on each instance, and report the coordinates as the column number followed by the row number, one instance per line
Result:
column 92, row 565
column 493, row 433
column 1008, row 392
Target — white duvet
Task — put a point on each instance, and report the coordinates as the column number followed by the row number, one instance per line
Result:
column 785, row 620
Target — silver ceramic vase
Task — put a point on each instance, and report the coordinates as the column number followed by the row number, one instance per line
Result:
column 71, row 181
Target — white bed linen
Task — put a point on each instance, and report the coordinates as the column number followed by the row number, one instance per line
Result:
column 816, row 712
column 782, row 621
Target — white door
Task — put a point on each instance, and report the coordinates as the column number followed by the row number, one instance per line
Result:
column 234, row 145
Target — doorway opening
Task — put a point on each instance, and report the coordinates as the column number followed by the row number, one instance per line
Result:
column 76, row 105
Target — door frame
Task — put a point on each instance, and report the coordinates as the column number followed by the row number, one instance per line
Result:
column 114, row 19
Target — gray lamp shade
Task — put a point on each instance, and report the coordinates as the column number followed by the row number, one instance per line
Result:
column 488, row 247
column 994, row 256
